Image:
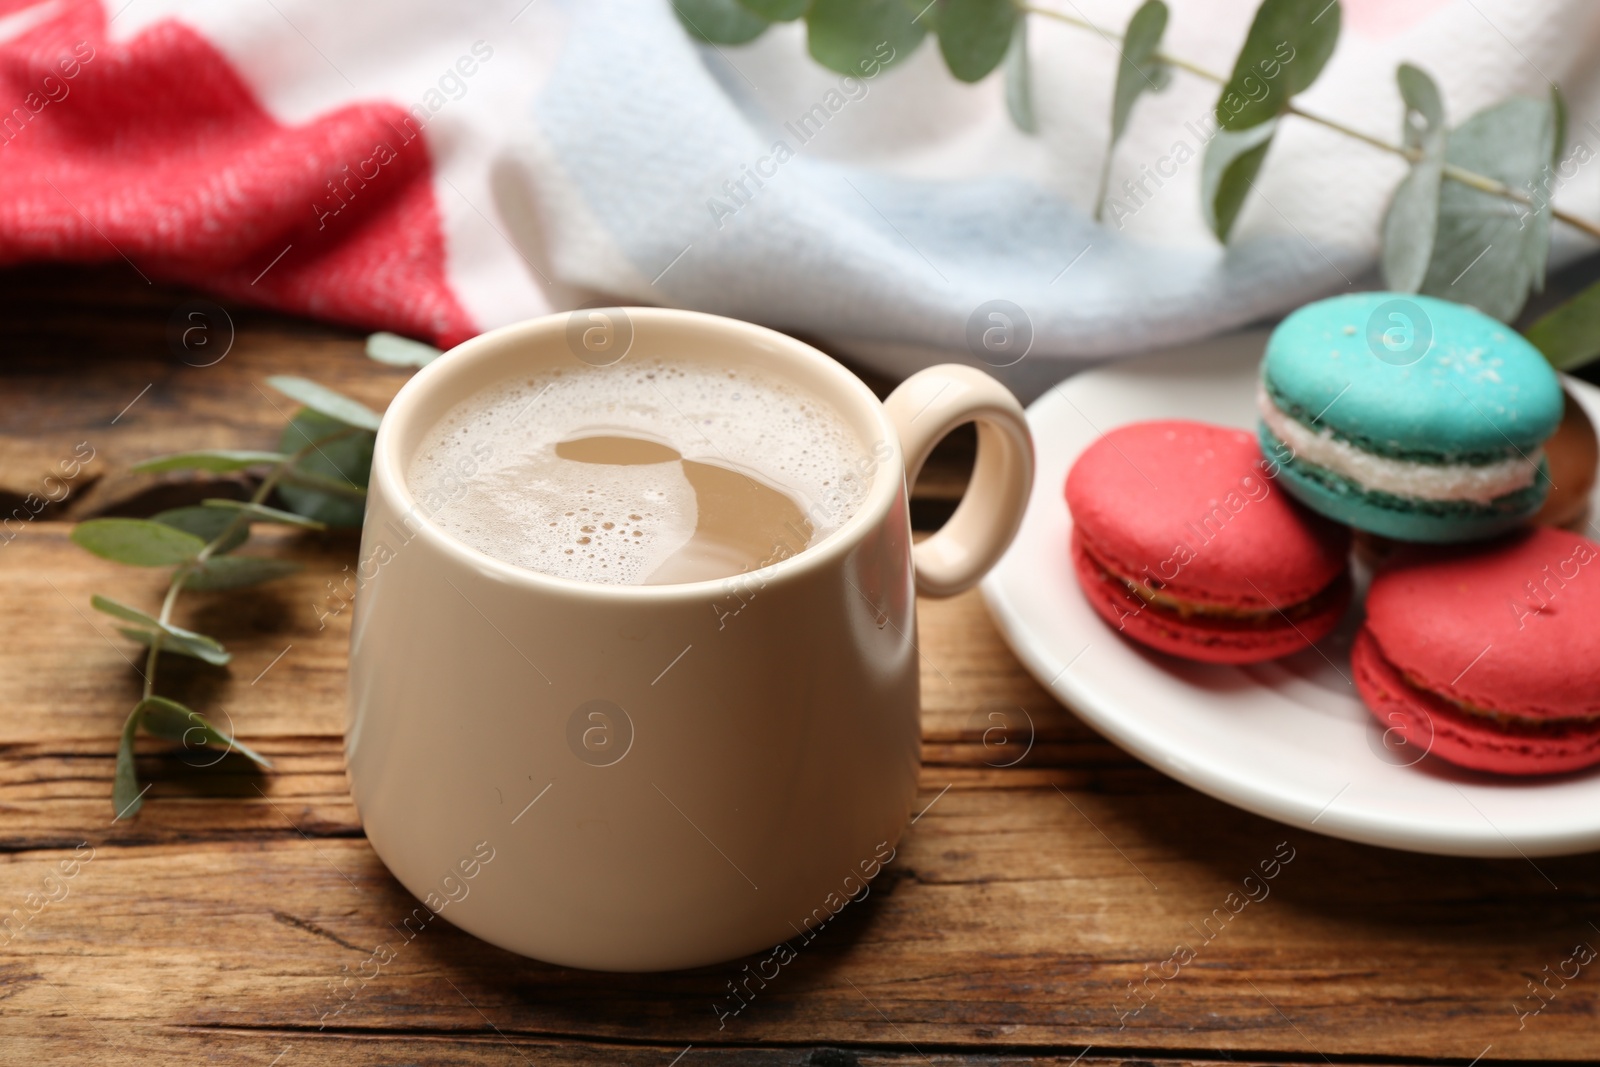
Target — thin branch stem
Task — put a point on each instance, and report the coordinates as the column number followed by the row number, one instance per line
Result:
column 1185, row 65
column 1473, row 180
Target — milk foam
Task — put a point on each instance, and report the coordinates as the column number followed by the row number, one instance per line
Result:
column 488, row 472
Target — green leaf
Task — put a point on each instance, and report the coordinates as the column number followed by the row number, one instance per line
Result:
column 1019, row 80
column 862, row 37
column 206, row 524
column 325, row 401
column 126, row 796
column 176, row 638
column 328, row 483
column 399, row 351
column 1139, row 71
column 236, row 572
column 1228, row 173
column 1288, row 44
column 204, row 653
column 262, row 513
column 216, row 460
column 777, row 10
column 1569, row 335
column 1489, row 251
column 139, row 542
column 336, row 487
column 1424, row 115
column 974, row 35
column 171, row 720
column 1410, row 224
column 719, row 21
column 1412, row 220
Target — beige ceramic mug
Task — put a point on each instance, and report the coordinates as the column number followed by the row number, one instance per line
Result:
column 661, row 776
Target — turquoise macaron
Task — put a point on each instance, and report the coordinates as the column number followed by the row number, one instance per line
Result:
column 1408, row 417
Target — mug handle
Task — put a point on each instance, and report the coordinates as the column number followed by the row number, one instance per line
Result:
column 926, row 407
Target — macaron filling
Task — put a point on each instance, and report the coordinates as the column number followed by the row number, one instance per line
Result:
column 1489, row 654
column 1164, row 601
column 1465, row 734
column 1502, row 718
column 1412, row 479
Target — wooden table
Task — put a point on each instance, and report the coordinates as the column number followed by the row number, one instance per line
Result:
column 1030, row 911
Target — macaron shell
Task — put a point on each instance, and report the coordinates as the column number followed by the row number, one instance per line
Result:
column 1439, row 729
column 1191, row 505
column 1403, row 520
column 1511, row 627
column 1477, row 389
column 1208, row 640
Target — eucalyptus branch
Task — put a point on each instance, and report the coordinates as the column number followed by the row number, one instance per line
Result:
column 320, row 470
column 240, row 519
column 1461, row 175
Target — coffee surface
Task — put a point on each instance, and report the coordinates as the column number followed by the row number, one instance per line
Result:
column 647, row 472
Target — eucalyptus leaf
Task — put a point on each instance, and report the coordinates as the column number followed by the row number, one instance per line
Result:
column 325, row 401
column 1489, row 251
column 1569, row 335
column 974, row 35
column 139, row 542
column 194, row 650
column 335, row 487
column 1231, row 164
column 188, row 642
column 719, row 21
column 262, row 513
column 329, row 482
column 347, row 458
column 861, row 37
column 175, row 722
column 206, row 524
column 1288, row 45
column 236, row 572
column 1019, row 80
column 1410, row 224
column 1424, row 114
column 1139, row 71
column 216, row 460
column 778, row 10
column 399, row 351
column 126, row 796
column 1412, row 220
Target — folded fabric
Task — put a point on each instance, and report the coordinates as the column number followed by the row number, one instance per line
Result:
column 440, row 170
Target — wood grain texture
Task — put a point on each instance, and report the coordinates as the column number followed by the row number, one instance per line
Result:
column 73, row 1041
column 240, row 911
column 1022, row 903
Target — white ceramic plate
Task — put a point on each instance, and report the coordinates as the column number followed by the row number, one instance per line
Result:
column 1289, row 739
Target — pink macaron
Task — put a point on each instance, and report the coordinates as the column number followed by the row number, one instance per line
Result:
column 1183, row 541
column 1489, row 656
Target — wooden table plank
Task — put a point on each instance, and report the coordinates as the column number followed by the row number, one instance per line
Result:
column 1005, row 919
column 114, row 1046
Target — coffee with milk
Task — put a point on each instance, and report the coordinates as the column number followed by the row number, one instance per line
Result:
column 646, row 473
